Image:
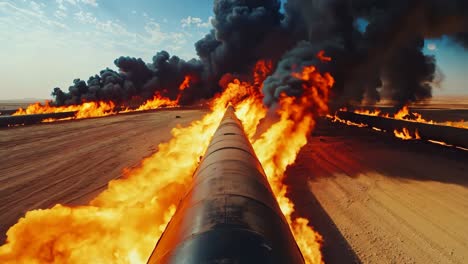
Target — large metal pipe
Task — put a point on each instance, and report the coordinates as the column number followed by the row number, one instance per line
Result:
column 32, row 119
column 450, row 135
column 230, row 214
column 8, row 112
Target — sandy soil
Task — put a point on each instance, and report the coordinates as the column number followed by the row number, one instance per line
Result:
column 377, row 199
column 374, row 198
column 70, row 162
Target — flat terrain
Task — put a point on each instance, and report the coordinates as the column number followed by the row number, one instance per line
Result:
column 378, row 199
column 374, row 198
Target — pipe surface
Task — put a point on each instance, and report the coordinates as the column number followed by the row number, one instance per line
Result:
column 450, row 135
column 230, row 214
column 31, row 119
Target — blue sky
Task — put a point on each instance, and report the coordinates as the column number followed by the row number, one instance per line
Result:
column 452, row 60
column 48, row 43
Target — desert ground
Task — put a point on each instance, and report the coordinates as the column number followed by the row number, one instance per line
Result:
column 374, row 198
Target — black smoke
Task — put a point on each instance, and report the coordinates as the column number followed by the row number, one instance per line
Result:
column 135, row 79
column 385, row 60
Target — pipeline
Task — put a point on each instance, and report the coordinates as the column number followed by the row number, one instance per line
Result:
column 230, row 214
column 7, row 112
column 450, row 135
column 6, row 121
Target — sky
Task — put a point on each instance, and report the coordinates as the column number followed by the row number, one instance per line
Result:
column 48, row 43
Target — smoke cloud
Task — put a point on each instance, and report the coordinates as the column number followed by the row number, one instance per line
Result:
column 385, row 60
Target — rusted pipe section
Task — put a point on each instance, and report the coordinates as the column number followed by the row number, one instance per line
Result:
column 230, row 214
column 6, row 121
column 450, row 135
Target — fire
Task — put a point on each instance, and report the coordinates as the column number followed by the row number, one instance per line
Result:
column 85, row 110
column 407, row 115
column 261, row 71
column 124, row 222
column 406, row 135
column 335, row 119
column 158, row 101
column 278, row 147
column 447, row 145
column 185, row 84
column 321, row 56
column 375, row 112
column 98, row 109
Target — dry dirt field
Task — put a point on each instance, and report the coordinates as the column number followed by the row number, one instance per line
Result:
column 377, row 199
column 374, row 198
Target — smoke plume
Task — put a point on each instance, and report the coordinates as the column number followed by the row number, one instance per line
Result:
column 376, row 46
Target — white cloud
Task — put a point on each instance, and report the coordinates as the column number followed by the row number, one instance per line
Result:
column 90, row 2
column 85, row 17
column 113, row 28
column 156, row 36
column 195, row 21
column 60, row 14
column 35, row 6
column 34, row 16
column 61, row 3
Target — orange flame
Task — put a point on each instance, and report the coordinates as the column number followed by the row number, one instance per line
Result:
column 406, row 135
column 185, row 84
column 407, row 115
column 97, row 109
column 158, row 101
column 376, row 112
column 123, row 223
column 278, row 147
column 321, row 56
column 262, row 69
column 335, row 118
column 85, row 110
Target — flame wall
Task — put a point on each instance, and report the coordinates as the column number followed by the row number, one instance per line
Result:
column 230, row 214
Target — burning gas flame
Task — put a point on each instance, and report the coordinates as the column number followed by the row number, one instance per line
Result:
column 123, row 223
column 406, row 135
column 336, row 119
column 185, row 84
column 100, row 109
column 278, row 147
column 93, row 109
column 406, row 114
column 321, row 56
column 85, row 110
column 158, row 101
